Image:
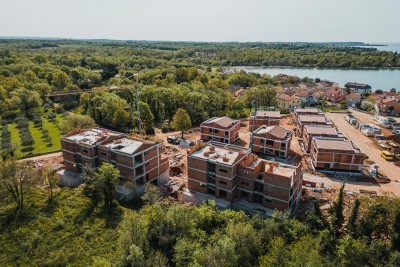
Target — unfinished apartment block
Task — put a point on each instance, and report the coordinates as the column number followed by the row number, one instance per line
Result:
column 222, row 129
column 303, row 120
column 308, row 111
column 80, row 147
column 138, row 160
column 261, row 118
column 313, row 131
column 272, row 140
column 231, row 172
column 336, row 154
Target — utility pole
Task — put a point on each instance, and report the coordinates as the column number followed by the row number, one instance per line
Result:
column 253, row 103
column 137, row 106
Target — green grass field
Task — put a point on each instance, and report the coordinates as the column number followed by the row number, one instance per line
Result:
column 40, row 146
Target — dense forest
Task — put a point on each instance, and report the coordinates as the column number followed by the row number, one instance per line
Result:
column 41, row 224
column 169, row 75
column 47, row 226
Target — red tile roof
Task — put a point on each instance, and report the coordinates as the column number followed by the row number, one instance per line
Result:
column 354, row 96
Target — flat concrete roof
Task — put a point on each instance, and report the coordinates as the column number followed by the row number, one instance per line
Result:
column 270, row 114
column 90, row 137
column 320, row 129
column 281, row 170
column 312, row 118
column 332, row 144
column 231, row 154
column 125, row 145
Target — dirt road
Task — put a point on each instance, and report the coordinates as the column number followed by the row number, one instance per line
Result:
column 368, row 147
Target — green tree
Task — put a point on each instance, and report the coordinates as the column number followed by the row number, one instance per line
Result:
column 396, row 231
column 77, row 121
column 146, row 116
column 107, row 178
column 17, row 178
column 121, row 118
column 352, row 223
column 43, row 89
column 60, row 80
column 277, row 254
column 336, row 211
column 181, row 120
column 152, row 194
column 25, row 100
column 49, row 179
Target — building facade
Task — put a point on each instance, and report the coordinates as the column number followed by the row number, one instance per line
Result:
column 272, row 140
column 267, row 118
column 288, row 102
column 336, row 154
column 335, row 95
column 358, row 88
column 353, row 99
column 313, row 131
column 222, row 129
column 80, row 147
column 303, row 120
column 138, row 160
column 232, row 172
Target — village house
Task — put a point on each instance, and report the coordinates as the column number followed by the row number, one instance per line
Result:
column 222, row 129
column 288, row 102
column 358, row 88
column 336, row 154
column 352, row 99
column 375, row 97
column 335, row 95
column 139, row 161
column 264, row 118
column 389, row 106
column 303, row 120
column 312, row 131
column 391, row 95
column 307, row 97
column 240, row 92
column 234, row 88
column 272, row 140
column 233, row 173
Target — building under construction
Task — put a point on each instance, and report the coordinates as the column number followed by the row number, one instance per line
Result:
column 232, row 173
column 139, row 161
column 261, row 118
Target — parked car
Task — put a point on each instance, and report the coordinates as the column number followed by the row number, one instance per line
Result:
column 387, row 155
column 173, row 140
column 391, row 120
column 397, row 131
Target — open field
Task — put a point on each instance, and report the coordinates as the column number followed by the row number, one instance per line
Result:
column 40, row 146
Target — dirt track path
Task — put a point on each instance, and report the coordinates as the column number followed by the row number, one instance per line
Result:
column 385, row 167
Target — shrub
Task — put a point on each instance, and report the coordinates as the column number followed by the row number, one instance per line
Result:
column 45, row 133
column 27, row 149
column 22, row 122
column 59, row 109
column 50, row 115
column 49, row 140
column 27, row 140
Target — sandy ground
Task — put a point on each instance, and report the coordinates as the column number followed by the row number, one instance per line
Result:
column 368, row 146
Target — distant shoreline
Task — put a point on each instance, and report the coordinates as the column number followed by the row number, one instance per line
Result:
column 321, row 68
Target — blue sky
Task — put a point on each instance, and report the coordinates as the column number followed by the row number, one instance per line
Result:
column 204, row 20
